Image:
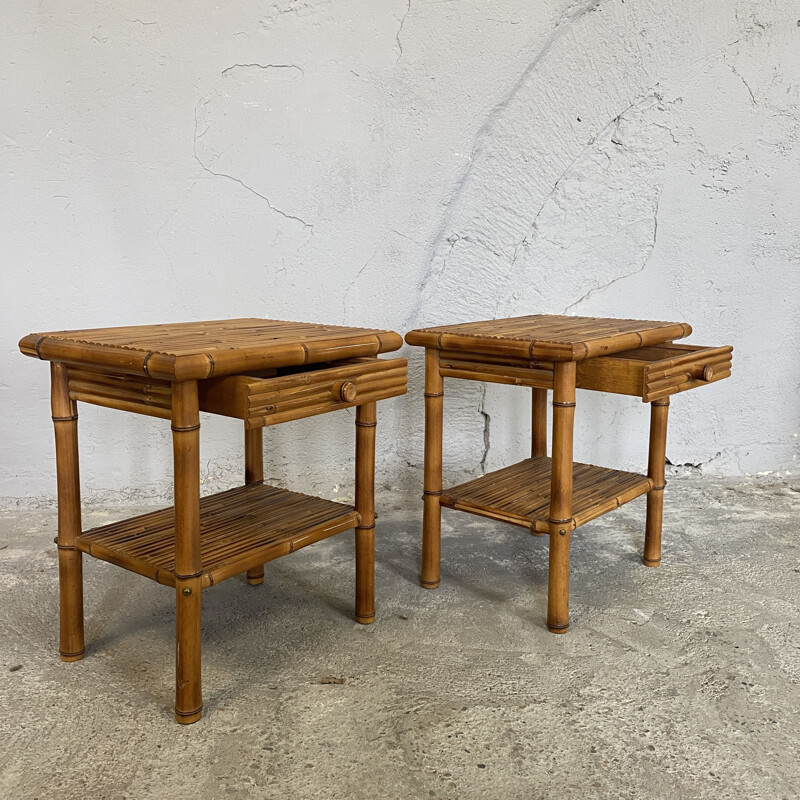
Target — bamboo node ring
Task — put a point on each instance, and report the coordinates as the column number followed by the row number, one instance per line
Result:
column 38, row 345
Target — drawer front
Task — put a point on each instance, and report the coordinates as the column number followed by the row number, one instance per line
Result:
column 525, row 373
column 653, row 373
column 321, row 388
column 688, row 369
column 120, row 391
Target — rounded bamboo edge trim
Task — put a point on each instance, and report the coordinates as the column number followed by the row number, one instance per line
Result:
column 188, row 717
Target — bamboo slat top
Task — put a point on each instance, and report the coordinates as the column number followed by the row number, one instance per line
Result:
column 548, row 337
column 197, row 350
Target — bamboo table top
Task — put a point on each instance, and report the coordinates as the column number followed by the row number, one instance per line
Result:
column 549, row 337
column 198, row 350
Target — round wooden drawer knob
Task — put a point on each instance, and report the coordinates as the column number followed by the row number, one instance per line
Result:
column 345, row 391
column 708, row 372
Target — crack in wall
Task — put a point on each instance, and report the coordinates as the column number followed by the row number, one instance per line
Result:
column 603, row 287
column 241, row 183
column 416, row 309
column 487, row 421
column 264, row 67
column 356, row 277
column 399, row 44
column 741, row 78
column 613, row 124
column 569, row 16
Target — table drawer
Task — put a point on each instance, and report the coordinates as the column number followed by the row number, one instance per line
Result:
column 269, row 397
column 655, row 372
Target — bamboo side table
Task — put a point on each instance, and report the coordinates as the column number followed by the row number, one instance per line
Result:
column 554, row 495
column 261, row 371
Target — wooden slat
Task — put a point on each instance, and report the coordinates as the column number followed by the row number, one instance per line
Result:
column 239, row 529
column 520, row 494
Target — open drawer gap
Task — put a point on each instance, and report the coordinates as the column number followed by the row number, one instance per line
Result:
column 657, row 371
column 266, row 397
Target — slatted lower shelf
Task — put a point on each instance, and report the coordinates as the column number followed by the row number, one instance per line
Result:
column 239, row 529
column 520, row 494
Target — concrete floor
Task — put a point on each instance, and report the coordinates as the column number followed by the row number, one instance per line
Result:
column 678, row 682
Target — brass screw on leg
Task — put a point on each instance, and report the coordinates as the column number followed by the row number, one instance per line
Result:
column 187, row 591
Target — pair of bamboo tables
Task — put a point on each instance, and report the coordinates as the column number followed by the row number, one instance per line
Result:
column 266, row 372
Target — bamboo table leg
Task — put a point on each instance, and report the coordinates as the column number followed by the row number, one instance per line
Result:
column 70, row 565
column 432, row 510
column 561, row 497
column 254, row 473
column 366, row 421
column 538, row 422
column 186, row 447
column 659, row 410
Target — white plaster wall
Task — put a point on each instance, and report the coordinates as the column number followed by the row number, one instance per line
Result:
column 395, row 164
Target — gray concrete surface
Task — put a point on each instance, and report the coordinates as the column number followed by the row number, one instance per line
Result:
column 680, row 682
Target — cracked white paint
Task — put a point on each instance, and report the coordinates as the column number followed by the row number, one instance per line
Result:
column 398, row 164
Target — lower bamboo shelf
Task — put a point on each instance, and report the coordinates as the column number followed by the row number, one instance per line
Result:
column 239, row 529
column 520, row 494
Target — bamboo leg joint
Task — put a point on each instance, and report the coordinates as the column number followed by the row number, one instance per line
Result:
column 188, row 577
column 185, row 428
